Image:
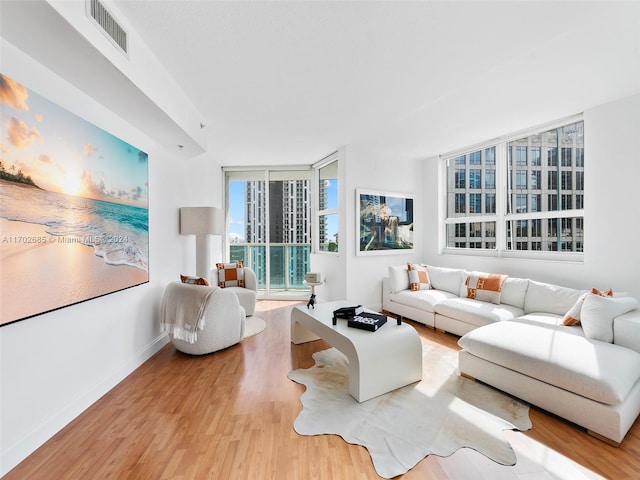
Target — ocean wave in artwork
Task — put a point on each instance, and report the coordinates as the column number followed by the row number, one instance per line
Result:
column 118, row 233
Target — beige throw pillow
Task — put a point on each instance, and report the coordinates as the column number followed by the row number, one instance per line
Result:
column 194, row 280
column 418, row 277
column 485, row 287
column 230, row 274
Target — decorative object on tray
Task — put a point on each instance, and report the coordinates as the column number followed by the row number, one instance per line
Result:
column 367, row 321
column 347, row 313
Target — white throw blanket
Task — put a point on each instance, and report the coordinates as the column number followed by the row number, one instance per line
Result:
column 183, row 308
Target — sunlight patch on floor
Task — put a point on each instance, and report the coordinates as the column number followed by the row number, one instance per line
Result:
column 535, row 461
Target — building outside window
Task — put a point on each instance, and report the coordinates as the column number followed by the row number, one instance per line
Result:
column 541, row 206
column 268, row 228
column 327, row 212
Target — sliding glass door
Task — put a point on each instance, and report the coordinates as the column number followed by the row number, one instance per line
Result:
column 268, row 226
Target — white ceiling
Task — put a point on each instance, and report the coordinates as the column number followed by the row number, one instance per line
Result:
column 290, row 82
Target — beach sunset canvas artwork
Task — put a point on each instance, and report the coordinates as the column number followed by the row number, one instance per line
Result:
column 73, row 208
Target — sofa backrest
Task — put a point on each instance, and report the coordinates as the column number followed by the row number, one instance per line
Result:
column 549, row 298
column 398, row 278
column 514, row 291
column 448, row 279
column 626, row 330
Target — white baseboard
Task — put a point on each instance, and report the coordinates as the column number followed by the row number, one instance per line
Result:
column 25, row 446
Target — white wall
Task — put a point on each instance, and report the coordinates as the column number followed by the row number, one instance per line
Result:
column 53, row 366
column 359, row 278
column 612, row 223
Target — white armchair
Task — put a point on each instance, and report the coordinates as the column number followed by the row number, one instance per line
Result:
column 224, row 318
column 247, row 295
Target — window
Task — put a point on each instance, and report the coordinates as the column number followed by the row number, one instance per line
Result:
column 471, row 198
column 521, row 155
column 474, row 178
column 526, row 192
column 268, row 225
column 327, row 212
column 490, row 179
column 461, row 174
column 490, row 156
column 460, row 203
column 474, row 158
column 536, row 184
column 490, row 202
column 535, row 156
column 475, row 203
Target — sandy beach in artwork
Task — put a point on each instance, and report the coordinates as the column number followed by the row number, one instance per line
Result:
column 41, row 272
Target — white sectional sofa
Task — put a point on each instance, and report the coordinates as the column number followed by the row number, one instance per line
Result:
column 588, row 373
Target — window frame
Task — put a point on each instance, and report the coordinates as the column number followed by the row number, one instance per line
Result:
column 317, row 212
column 501, row 217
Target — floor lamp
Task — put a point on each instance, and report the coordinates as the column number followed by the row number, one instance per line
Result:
column 202, row 222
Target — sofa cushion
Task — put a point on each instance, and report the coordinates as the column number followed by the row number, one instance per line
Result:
column 572, row 317
column 626, row 330
column 447, row 279
column 600, row 371
column 546, row 297
column 418, row 277
column 550, row 320
column 423, row 299
column 398, row 279
column 514, row 291
column 485, row 287
column 475, row 312
column 598, row 312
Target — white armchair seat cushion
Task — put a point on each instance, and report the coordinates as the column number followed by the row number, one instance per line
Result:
column 596, row 370
column 246, row 297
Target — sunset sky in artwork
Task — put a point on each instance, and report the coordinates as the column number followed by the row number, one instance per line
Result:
column 61, row 152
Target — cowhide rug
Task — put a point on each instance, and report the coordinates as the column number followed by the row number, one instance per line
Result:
column 438, row 415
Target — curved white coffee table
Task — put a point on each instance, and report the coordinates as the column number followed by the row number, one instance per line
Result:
column 379, row 361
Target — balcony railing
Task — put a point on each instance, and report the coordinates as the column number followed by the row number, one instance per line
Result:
column 288, row 263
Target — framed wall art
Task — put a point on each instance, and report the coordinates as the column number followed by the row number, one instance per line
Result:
column 384, row 222
column 73, row 208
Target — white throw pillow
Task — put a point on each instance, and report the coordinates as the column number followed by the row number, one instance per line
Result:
column 398, row 279
column 514, row 291
column 598, row 312
column 448, row 279
column 572, row 317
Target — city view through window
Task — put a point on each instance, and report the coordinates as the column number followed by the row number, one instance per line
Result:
column 270, row 226
column 540, row 206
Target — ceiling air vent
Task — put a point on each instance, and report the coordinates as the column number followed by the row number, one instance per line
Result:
column 107, row 24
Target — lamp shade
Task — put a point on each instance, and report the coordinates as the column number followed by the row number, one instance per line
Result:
column 201, row 221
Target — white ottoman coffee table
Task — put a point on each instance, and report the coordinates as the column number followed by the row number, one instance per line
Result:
column 379, row 361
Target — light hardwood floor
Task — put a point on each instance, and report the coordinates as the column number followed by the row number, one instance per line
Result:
column 229, row 415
